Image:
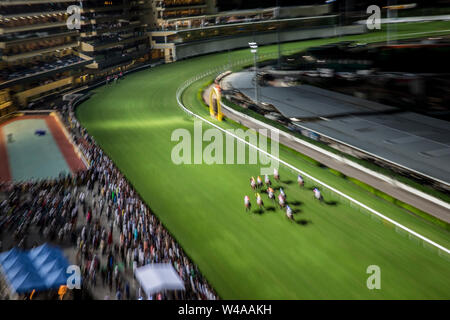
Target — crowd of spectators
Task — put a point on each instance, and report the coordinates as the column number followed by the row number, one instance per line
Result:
column 99, row 213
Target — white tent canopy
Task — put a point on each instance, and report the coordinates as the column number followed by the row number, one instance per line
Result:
column 158, row 277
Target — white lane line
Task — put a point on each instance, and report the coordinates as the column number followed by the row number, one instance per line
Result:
column 189, row 82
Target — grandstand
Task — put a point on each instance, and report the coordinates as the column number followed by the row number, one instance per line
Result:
column 42, row 58
column 174, row 29
column 38, row 51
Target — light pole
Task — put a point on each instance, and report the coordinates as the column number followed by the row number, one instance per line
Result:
column 254, row 50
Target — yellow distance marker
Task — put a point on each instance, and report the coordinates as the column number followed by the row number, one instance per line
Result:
column 215, row 92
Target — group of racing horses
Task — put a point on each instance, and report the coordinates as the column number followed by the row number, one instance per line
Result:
column 257, row 185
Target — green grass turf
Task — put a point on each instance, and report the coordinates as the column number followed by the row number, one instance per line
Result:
column 249, row 255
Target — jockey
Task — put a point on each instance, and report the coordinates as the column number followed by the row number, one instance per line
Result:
column 289, row 212
column 252, row 182
column 259, row 201
column 275, row 174
column 282, row 193
column 300, row 180
column 317, row 194
column 281, row 200
column 271, row 193
column 267, row 180
column 259, row 181
column 247, row 202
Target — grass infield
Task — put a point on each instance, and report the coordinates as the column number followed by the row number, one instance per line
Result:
column 260, row 255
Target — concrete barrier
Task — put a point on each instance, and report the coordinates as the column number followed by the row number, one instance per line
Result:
column 187, row 50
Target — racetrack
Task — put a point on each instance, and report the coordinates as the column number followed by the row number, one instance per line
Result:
column 258, row 256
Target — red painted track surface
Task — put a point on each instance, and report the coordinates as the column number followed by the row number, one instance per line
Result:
column 67, row 149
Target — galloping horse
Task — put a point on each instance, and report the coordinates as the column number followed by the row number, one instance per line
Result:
column 281, row 201
column 259, row 201
column 289, row 213
column 282, row 193
column 247, row 203
column 253, row 183
column 276, row 176
column 317, row 194
column 300, row 181
column 267, row 181
column 259, row 182
column 271, row 194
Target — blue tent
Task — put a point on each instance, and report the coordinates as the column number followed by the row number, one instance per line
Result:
column 51, row 264
column 41, row 268
column 20, row 272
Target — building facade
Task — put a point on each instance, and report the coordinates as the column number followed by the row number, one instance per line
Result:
column 42, row 56
column 114, row 35
column 179, row 24
column 38, row 51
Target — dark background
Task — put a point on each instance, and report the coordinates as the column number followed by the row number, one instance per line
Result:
column 351, row 4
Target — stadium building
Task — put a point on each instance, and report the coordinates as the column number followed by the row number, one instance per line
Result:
column 182, row 29
column 38, row 52
column 41, row 57
column 113, row 35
